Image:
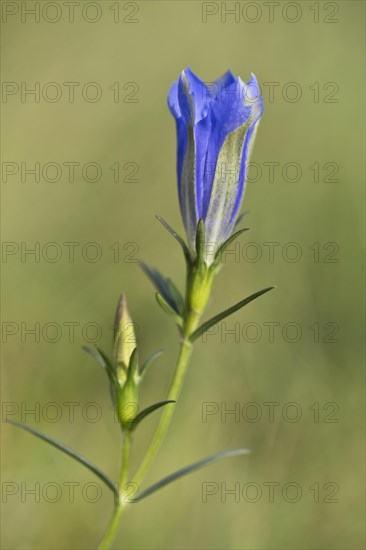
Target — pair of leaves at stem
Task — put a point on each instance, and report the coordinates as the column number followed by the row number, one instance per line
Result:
column 220, row 316
column 187, row 254
column 132, row 371
column 113, row 486
column 168, row 296
column 170, row 299
column 200, row 241
column 106, row 363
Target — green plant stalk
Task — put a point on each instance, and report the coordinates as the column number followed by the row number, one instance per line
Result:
column 199, row 283
column 197, row 294
column 162, row 428
column 121, row 504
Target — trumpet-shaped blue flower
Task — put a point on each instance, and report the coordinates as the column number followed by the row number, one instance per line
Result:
column 216, row 126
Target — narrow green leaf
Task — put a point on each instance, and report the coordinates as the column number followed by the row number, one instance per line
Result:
column 67, row 451
column 166, row 307
column 96, row 355
column 200, row 240
column 241, row 217
column 106, row 363
column 164, row 286
column 149, row 361
column 224, row 246
column 133, row 366
column 188, row 470
column 177, row 237
column 111, row 373
column 176, row 295
column 208, row 324
column 105, row 358
column 143, row 414
column 158, row 280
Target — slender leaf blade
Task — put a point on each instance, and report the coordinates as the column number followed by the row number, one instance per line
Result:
column 200, row 240
column 143, row 414
column 211, row 322
column 167, row 309
column 162, row 285
column 188, row 470
column 241, row 217
column 176, row 295
column 68, row 451
column 96, row 355
column 176, row 236
column 149, row 361
column 224, row 246
column 104, row 360
column 157, row 279
column 132, row 371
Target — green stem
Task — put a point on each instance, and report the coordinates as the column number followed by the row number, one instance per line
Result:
column 198, row 291
column 126, row 451
column 161, row 430
column 199, row 282
column 112, row 527
column 121, row 505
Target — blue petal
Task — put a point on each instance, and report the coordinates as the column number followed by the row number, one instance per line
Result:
column 228, row 112
column 254, row 98
column 202, row 136
column 181, row 130
column 227, row 194
column 191, row 100
column 173, row 100
column 187, row 187
column 221, row 83
column 207, row 116
column 193, row 97
column 188, row 101
column 182, row 139
column 225, row 187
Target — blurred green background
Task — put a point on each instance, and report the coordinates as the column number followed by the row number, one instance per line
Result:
column 310, row 371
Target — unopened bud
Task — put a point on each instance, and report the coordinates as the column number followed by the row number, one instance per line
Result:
column 124, row 339
column 128, row 403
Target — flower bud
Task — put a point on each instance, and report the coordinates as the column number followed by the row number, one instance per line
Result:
column 128, row 403
column 216, row 127
column 124, row 339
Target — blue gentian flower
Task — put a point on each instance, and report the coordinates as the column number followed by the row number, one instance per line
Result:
column 216, row 126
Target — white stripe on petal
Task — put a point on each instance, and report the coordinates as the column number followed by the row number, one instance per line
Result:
column 225, row 186
column 188, row 200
